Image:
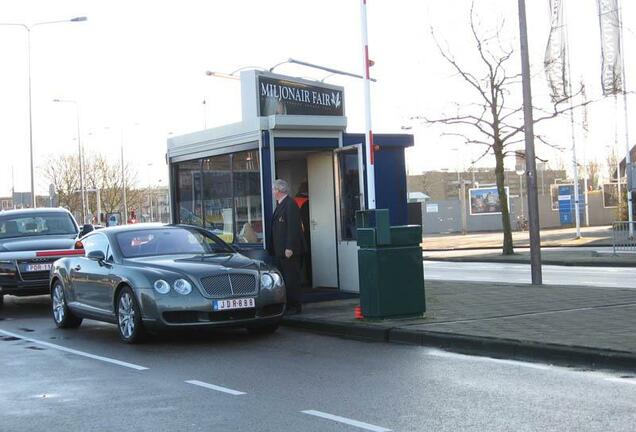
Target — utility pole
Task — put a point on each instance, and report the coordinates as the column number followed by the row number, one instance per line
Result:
column 531, row 166
column 123, row 180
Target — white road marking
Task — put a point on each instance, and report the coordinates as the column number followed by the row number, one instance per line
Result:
column 215, row 387
column 447, row 354
column 347, row 421
column 76, row 352
column 621, row 380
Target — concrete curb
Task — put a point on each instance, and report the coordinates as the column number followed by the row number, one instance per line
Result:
column 546, row 261
column 565, row 355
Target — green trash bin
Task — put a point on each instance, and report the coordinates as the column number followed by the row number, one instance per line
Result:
column 390, row 267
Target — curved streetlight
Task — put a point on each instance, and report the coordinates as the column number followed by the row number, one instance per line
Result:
column 28, row 32
column 81, row 155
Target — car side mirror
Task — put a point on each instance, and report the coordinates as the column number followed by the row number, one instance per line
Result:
column 96, row 255
column 86, row 229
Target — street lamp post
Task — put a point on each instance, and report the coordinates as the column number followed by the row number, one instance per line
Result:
column 28, row 33
column 80, row 154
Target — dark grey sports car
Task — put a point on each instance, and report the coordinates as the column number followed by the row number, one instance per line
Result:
column 153, row 277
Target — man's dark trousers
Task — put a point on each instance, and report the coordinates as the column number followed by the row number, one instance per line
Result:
column 290, row 268
column 287, row 234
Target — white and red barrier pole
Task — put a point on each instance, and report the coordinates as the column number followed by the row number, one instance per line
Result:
column 369, row 147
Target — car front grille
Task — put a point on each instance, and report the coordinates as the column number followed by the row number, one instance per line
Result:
column 37, row 275
column 34, row 276
column 229, row 285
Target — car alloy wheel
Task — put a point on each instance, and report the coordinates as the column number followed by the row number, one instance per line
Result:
column 62, row 316
column 128, row 317
column 59, row 306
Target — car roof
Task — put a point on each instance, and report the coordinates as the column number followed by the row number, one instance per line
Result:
column 31, row 211
column 134, row 227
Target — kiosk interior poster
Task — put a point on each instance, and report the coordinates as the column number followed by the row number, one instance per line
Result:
column 485, row 201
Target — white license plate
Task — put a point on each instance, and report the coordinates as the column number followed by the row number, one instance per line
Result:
column 38, row 267
column 242, row 303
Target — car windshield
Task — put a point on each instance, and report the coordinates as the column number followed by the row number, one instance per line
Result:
column 169, row 241
column 36, row 224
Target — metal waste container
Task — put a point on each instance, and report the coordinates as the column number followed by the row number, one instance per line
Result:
column 390, row 267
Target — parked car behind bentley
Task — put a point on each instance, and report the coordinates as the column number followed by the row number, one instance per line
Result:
column 30, row 241
column 154, row 277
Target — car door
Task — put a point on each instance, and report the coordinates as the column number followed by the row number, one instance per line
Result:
column 92, row 279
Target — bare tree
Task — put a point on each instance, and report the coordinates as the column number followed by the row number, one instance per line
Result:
column 62, row 171
column 593, row 172
column 100, row 173
column 493, row 122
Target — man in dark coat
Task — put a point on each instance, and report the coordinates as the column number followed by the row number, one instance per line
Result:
column 286, row 243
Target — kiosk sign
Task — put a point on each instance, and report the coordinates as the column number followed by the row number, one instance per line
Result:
column 287, row 97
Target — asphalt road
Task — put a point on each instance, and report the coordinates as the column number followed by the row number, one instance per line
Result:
column 86, row 380
column 621, row 277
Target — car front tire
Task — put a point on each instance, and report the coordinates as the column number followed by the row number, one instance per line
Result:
column 62, row 316
column 129, row 322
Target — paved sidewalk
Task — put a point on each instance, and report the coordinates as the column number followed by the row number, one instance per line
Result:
column 593, row 327
column 553, row 237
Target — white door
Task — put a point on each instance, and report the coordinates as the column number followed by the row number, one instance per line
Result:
column 350, row 198
column 322, row 220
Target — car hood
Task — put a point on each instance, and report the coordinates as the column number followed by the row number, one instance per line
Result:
column 197, row 265
column 37, row 243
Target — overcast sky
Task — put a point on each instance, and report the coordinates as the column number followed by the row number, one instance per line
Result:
column 136, row 68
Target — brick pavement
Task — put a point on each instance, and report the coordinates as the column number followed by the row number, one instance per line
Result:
column 598, row 320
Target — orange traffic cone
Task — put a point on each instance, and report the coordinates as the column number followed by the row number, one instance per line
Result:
column 357, row 312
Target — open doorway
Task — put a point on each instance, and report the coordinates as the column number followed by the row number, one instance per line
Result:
column 310, row 175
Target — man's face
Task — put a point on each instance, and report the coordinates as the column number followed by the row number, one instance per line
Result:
column 276, row 194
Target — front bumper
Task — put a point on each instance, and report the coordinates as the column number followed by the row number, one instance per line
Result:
column 177, row 311
column 15, row 281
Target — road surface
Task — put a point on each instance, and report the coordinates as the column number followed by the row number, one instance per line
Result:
column 617, row 277
column 85, row 379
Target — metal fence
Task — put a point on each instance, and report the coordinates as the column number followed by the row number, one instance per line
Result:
column 623, row 236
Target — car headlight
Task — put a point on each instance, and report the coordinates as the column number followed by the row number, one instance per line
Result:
column 278, row 280
column 267, row 281
column 182, row 286
column 161, row 286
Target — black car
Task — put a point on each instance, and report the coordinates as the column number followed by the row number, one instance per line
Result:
column 153, row 277
column 30, row 241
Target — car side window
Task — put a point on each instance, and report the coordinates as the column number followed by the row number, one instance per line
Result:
column 96, row 242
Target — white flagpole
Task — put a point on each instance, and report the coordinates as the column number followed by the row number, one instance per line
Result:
column 630, row 217
column 575, row 168
column 367, row 107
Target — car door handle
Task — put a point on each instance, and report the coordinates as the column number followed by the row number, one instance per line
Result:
column 77, row 267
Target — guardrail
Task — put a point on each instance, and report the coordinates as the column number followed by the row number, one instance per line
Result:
column 623, row 238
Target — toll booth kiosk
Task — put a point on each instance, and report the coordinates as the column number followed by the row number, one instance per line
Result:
column 292, row 129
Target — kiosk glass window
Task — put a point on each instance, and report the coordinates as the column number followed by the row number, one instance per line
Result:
column 247, row 197
column 217, row 196
column 188, row 175
column 349, row 176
